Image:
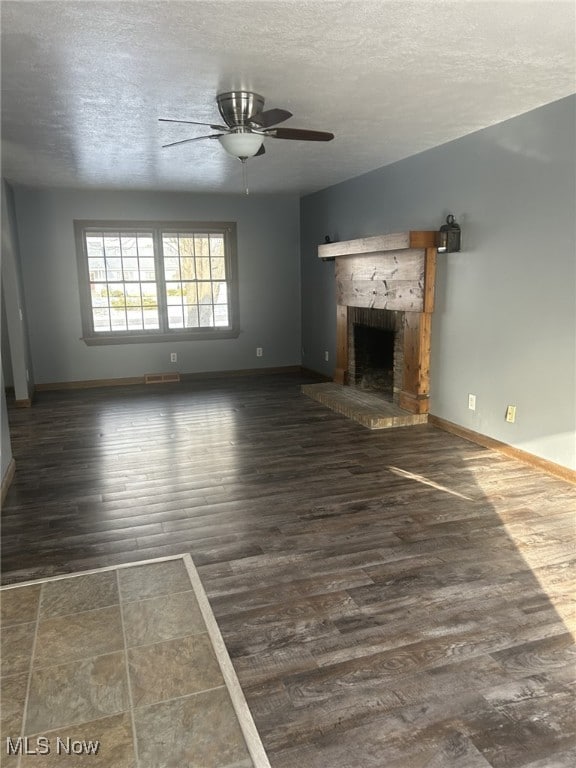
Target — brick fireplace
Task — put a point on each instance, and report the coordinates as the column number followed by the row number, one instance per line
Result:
column 376, row 351
column 385, row 283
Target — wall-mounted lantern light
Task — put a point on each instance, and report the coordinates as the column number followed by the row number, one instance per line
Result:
column 449, row 236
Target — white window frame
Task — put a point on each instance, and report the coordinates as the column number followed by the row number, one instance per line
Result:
column 157, row 229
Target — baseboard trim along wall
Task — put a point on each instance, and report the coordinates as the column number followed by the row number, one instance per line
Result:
column 89, row 384
column 125, row 382
column 516, row 453
column 23, row 402
column 7, row 479
column 315, row 374
column 241, row 372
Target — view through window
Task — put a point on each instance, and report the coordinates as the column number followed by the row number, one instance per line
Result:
column 142, row 281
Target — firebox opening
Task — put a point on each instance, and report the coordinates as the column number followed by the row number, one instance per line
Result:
column 374, row 359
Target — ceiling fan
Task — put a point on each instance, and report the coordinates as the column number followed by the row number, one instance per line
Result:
column 247, row 125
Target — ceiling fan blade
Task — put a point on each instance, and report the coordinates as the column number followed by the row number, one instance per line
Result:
column 193, row 122
column 261, row 151
column 270, row 117
column 299, row 134
column 196, row 138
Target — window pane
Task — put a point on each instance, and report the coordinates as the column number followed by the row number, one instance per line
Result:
column 147, row 269
column 175, row 317
column 114, row 273
column 186, row 246
column 191, row 316
column 131, row 269
column 190, row 293
column 220, row 291
column 117, row 297
column 203, row 269
column 204, row 293
column 132, row 291
column 112, row 246
column 218, row 269
column 201, row 246
column 99, row 293
column 188, row 268
column 118, row 318
column 174, row 293
column 94, row 246
column 206, row 316
column 220, row 316
column 97, row 269
column 129, row 246
column 101, row 319
column 149, row 296
column 172, row 269
column 134, row 319
column 170, row 245
column 191, row 258
column 217, row 245
column 145, row 245
column 151, row 318
column 114, row 269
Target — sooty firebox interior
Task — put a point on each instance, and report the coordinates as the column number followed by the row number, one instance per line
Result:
column 374, row 359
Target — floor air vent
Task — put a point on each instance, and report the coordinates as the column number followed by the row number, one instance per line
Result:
column 160, row 378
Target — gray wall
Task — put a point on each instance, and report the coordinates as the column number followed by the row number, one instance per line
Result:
column 17, row 362
column 6, row 354
column 269, row 278
column 504, row 325
column 6, row 455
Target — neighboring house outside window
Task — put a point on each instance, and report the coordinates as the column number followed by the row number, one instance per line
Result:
column 157, row 281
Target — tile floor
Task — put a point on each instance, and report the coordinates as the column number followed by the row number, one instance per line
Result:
column 128, row 657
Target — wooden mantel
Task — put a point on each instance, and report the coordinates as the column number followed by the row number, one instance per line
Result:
column 378, row 244
column 395, row 272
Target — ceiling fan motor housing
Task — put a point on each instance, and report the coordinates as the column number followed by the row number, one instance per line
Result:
column 238, row 107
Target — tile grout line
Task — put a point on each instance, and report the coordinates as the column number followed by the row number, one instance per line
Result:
column 182, row 696
column 90, row 572
column 127, row 670
column 77, row 661
column 103, row 607
column 76, row 723
column 118, row 650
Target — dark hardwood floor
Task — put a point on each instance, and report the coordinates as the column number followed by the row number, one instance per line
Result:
column 390, row 599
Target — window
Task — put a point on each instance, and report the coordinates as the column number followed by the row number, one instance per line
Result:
column 142, row 281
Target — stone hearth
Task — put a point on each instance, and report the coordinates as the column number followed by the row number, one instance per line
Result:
column 367, row 408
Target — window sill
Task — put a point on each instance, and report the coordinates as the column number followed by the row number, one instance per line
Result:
column 152, row 338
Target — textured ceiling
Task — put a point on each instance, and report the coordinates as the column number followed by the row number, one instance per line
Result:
column 84, row 83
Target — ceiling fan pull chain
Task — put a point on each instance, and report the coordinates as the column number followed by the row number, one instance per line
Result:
column 245, row 174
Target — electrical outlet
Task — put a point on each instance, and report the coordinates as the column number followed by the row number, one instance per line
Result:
column 472, row 402
column 326, row 356
column 173, row 357
column 511, row 414
column 259, row 351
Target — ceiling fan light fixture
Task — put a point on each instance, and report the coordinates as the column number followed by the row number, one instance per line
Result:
column 241, row 144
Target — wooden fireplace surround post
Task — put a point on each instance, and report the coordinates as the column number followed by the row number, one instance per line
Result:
column 394, row 272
